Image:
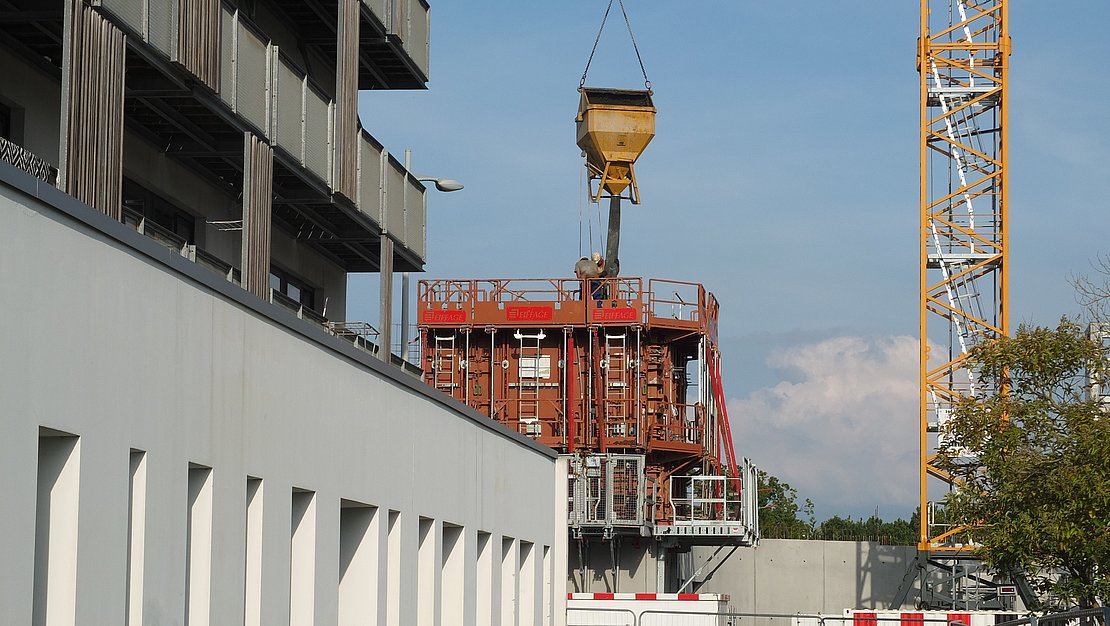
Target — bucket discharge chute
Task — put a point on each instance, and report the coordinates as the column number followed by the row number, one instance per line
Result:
column 614, row 126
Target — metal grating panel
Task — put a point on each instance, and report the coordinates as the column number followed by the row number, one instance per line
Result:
column 417, row 42
column 370, row 178
column 162, row 26
column 395, row 199
column 250, row 78
column 130, row 12
column 380, row 9
column 399, row 20
column 289, row 110
column 317, row 135
column 415, row 211
column 227, row 56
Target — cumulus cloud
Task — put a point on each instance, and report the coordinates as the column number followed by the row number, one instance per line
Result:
column 841, row 427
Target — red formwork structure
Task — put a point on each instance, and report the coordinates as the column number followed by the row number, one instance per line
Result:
column 628, row 385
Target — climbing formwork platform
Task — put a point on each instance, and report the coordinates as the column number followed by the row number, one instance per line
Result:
column 621, row 374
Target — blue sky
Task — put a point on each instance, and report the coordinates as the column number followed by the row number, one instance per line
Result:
column 783, row 176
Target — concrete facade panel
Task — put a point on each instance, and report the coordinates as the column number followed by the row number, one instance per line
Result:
column 117, row 346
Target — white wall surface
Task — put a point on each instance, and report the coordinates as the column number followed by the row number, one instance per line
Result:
column 114, row 344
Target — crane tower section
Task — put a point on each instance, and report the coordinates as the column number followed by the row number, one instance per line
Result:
column 963, row 59
column 626, row 383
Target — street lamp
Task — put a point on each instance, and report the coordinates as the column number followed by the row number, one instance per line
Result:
column 442, row 184
column 445, row 185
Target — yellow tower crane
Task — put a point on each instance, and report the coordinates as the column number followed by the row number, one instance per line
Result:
column 963, row 60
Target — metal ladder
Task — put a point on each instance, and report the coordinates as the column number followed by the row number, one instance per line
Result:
column 443, row 364
column 528, row 397
column 616, row 386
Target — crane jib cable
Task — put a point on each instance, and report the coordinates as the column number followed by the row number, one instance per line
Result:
column 635, row 48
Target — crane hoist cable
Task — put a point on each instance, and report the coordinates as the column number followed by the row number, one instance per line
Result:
column 647, row 83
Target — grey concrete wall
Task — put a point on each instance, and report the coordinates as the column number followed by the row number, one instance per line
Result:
column 779, row 576
column 791, row 576
column 635, row 570
column 110, row 338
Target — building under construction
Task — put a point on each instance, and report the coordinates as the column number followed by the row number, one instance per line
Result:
column 620, row 374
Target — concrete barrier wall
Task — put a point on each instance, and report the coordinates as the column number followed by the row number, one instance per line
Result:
column 779, row 576
column 791, row 576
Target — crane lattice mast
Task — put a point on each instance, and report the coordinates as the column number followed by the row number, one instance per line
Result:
column 963, row 60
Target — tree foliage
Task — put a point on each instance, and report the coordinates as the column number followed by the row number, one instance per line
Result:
column 1033, row 461
column 900, row 532
column 782, row 517
column 779, row 511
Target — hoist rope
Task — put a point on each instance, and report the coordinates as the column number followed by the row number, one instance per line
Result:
column 635, row 48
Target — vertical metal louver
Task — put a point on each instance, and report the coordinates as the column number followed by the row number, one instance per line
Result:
column 317, row 136
column 289, row 109
column 251, row 77
column 162, row 25
column 258, row 175
column 92, row 108
column 198, row 41
column 346, row 99
column 370, row 178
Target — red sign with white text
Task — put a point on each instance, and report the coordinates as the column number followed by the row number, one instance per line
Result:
column 622, row 314
column 453, row 316
column 529, row 313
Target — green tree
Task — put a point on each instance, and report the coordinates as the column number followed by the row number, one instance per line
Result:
column 779, row 511
column 1033, row 461
column 898, row 532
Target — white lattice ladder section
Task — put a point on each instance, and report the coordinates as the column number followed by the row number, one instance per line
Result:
column 616, row 385
column 528, row 396
column 443, row 364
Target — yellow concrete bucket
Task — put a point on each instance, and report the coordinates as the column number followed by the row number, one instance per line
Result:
column 614, row 126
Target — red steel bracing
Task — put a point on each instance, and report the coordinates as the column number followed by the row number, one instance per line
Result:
column 722, row 410
column 570, row 374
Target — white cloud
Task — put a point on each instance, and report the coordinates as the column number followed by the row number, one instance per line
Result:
column 844, row 432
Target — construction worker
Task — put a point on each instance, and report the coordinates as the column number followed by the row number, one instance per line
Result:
column 591, row 271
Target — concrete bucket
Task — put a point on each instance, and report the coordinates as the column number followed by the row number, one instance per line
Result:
column 614, row 126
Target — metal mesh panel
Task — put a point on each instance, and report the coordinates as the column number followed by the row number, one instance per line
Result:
column 130, row 12
column 624, row 488
column 289, row 117
column 417, row 42
column 250, row 78
column 162, row 26
column 399, row 18
column 415, row 204
column 227, row 56
column 395, row 199
column 317, row 138
column 370, row 178
column 380, row 9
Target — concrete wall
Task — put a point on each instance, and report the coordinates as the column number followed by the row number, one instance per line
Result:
column 790, row 576
column 199, row 456
column 779, row 576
